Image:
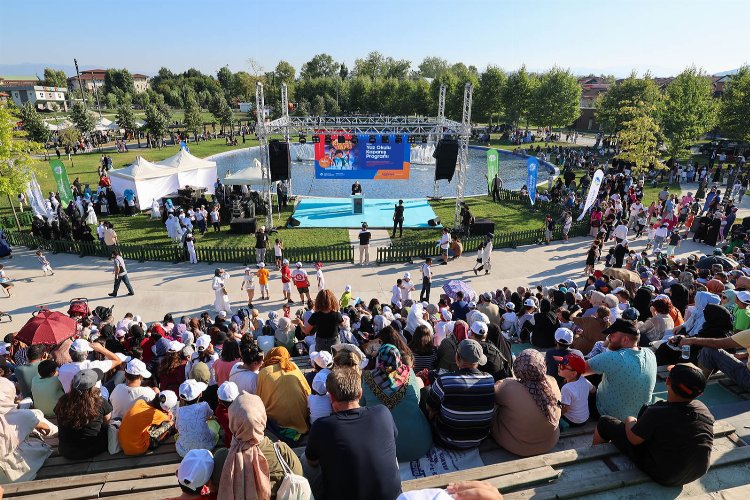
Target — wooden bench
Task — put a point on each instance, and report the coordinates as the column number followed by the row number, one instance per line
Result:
column 507, row 476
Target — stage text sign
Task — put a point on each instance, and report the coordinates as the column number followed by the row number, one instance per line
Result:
column 362, row 159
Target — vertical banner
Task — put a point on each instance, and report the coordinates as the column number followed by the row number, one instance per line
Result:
column 492, row 167
column 596, row 183
column 532, row 166
column 35, row 197
column 61, row 181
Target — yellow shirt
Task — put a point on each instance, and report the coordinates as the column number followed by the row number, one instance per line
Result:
column 133, row 435
column 743, row 339
column 262, row 276
column 285, row 396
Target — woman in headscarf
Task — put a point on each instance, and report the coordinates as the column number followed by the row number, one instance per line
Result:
column 680, row 297
column 642, row 302
column 446, row 355
column 528, row 410
column 660, row 321
column 695, row 321
column 252, row 469
column 545, row 324
column 715, row 286
column 728, row 298
column 22, row 453
column 393, row 384
column 284, row 391
column 416, row 318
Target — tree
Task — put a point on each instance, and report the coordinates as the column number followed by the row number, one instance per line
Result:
column 193, row 120
column 15, row 156
column 54, row 78
column 489, row 96
column 69, row 137
column 639, row 137
column 321, row 65
column 688, row 111
column 111, row 100
column 33, row 124
column 125, row 117
column 221, row 111
column 517, row 95
column 614, row 107
column 156, row 123
column 735, row 106
column 82, row 118
column 319, row 106
column 118, row 79
column 284, row 72
column 432, row 67
column 227, row 80
column 556, row 99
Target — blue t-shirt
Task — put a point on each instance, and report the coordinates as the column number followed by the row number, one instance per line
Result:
column 460, row 309
column 628, row 379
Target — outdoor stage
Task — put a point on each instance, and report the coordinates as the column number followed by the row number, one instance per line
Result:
column 337, row 212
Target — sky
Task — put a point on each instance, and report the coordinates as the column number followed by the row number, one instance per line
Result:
column 599, row 37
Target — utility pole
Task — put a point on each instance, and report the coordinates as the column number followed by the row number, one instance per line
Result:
column 80, row 84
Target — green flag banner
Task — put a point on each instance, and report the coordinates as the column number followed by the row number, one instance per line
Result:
column 61, row 181
column 492, row 166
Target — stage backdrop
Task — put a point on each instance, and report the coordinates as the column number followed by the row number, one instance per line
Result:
column 362, row 160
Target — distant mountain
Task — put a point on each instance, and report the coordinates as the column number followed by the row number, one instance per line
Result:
column 725, row 73
column 31, row 69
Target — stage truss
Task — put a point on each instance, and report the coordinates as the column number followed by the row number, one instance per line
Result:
column 298, row 126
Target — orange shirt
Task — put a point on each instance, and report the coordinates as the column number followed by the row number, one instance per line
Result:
column 263, row 276
column 133, row 435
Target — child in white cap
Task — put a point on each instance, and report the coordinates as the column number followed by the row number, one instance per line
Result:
column 199, row 474
column 227, row 393
column 248, row 284
column 196, row 426
column 318, row 401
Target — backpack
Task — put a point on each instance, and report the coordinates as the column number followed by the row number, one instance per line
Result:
column 293, row 487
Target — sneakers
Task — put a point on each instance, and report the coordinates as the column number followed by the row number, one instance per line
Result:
column 112, row 294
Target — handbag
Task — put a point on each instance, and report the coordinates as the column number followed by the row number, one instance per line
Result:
column 293, row 486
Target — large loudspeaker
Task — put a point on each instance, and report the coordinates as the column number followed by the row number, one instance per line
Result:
column 279, row 159
column 292, row 222
column 446, row 155
column 241, row 225
column 434, row 222
column 482, row 227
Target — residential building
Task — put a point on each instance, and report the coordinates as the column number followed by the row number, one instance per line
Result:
column 43, row 98
column 591, row 88
column 94, row 79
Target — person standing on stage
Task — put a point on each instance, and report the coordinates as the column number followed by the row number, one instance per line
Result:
column 356, row 188
column 398, row 219
column 364, row 245
column 424, row 295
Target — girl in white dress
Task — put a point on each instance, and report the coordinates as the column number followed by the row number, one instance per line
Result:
column 91, row 216
column 221, row 299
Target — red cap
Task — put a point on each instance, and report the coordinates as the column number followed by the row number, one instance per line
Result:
column 598, row 273
column 573, row 362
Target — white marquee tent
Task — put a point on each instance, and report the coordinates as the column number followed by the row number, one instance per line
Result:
column 191, row 170
column 249, row 175
column 147, row 180
column 59, row 125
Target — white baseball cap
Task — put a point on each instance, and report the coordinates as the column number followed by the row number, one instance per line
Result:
column 510, row 305
column 228, row 391
column 167, row 400
column 137, row 367
column 319, row 382
column 123, row 357
column 743, row 297
column 298, row 264
column 81, row 345
column 120, row 333
column 261, row 265
column 175, row 346
column 407, row 275
column 348, row 288
column 529, row 302
column 323, row 359
column 191, row 389
column 4, row 348
column 479, row 328
column 617, row 290
column 202, row 342
column 196, row 469
column 564, row 336
column 285, row 262
column 222, row 314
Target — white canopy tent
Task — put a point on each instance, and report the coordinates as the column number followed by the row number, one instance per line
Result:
column 191, row 170
column 249, row 175
column 59, row 125
column 147, row 180
column 104, row 124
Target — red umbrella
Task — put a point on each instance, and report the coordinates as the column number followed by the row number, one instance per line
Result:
column 47, row 327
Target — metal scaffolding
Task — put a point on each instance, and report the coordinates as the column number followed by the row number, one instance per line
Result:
column 431, row 128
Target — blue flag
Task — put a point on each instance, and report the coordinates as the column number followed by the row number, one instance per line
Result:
column 533, row 168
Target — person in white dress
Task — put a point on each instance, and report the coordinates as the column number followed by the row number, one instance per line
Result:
column 221, row 300
column 155, row 210
column 190, row 245
column 91, row 216
column 483, row 255
column 248, row 284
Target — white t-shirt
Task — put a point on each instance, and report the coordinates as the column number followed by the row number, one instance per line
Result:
column 246, row 380
column 123, row 397
column 192, row 428
column 69, row 370
column 509, row 319
column 406, row 288
column 248, row 281
column 277, row 251
column 576, row 395
column 395, row 295
column 321, row 279
column 445, row 241
column 319, row 406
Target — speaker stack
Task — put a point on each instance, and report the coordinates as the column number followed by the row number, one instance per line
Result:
column 446, row 155
column 279, row 159
column 242, row 225
column 434, row 222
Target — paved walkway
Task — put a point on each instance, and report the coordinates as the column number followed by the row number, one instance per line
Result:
column 186, row 289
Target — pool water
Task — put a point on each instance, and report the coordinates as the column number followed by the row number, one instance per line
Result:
column 421, row 183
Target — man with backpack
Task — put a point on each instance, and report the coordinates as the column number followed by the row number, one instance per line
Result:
column 498, row 364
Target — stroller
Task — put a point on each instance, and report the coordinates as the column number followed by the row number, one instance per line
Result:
column 100, row 313
column 79, row 308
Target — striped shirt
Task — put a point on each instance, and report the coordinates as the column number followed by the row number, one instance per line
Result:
column 465, row 403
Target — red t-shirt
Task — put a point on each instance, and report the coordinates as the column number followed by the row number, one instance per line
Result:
column 286, row 274
column 222, row 416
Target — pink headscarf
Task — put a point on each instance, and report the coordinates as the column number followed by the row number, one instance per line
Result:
column 246, row 474
column 461, row 330
column 8, row 432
